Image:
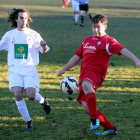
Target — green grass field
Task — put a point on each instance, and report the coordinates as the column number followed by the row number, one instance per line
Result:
column 119, row 96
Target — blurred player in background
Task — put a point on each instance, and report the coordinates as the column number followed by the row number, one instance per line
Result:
column 23, row 45
column 75, row 6
column 84, row 7
column 65, row 3
column 95, row 52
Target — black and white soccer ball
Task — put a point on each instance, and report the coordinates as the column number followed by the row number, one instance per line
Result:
column 69, row 85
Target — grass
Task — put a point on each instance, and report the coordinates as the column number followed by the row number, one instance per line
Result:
column 119, row 96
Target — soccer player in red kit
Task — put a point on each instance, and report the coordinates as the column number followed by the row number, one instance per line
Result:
column 95, row 52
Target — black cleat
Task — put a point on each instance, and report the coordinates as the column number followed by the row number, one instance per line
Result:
column 46, row 106
column 29, row 126
column 95, row 123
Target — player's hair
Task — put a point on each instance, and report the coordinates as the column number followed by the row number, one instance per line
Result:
column 100, row 18
column 13, row 15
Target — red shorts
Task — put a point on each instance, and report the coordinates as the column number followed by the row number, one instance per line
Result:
column 94, row 79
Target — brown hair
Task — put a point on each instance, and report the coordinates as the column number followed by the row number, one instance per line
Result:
column 100, row 18
column 13, row 14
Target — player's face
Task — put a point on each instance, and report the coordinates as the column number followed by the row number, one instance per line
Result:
column 22, row 21
column 98, row 29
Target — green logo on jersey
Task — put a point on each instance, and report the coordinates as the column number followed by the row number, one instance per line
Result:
column 98, row 43
column 21, row 51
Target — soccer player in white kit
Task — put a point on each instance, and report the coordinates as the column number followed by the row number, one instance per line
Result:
column 23, row 45
column 75, row 7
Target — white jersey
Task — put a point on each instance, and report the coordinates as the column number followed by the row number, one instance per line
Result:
column 23, row 47
column 74, row 2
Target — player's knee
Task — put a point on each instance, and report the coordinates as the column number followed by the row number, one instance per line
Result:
column 30, row 96
column 18, row 96
column 85, row 86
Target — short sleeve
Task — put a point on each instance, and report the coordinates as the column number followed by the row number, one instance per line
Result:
column 38, row 38
column 4, row 42
column 115, row 46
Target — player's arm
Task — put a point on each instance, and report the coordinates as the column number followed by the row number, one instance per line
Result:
column 45, row 48
column 72, row 62
column 131, row 56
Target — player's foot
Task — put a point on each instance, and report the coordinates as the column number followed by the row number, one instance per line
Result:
column 107, row 132
column 82, row 24
column 29, row 126
column 95, row 124
column 63, row 6
column 46, row 106
column 75, row 23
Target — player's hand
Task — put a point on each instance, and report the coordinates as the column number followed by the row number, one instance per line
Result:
column 60, row 72
column 42, row 43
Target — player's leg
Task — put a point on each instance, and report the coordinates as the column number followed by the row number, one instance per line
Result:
column 73, row 8
column 108, row 127
column 90, row 94
column 81, row 15
column 67, row 3
column 90, row 16
column 31, row 85
column 64, row 3
column 16, row 86
column 76, row 13
column 35, row 96
column 22, row 108
column 86, row 10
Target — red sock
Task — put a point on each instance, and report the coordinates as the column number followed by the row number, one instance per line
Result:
column 103, row 121
column 91, row 103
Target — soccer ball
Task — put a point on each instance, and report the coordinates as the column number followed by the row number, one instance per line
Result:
column 69, row 85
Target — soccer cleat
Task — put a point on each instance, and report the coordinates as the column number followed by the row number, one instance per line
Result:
column 46, row 106
column 29, row 126
column 107, row 132
column 95, row 124
column 82, row 24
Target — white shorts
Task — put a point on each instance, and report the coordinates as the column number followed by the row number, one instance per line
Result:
column 24, row 77
column 75, row 7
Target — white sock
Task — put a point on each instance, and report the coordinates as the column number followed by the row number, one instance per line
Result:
column 76, row 17
column 38, row 98
column 22, row 108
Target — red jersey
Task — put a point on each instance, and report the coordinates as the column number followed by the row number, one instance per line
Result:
column 95, row 54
